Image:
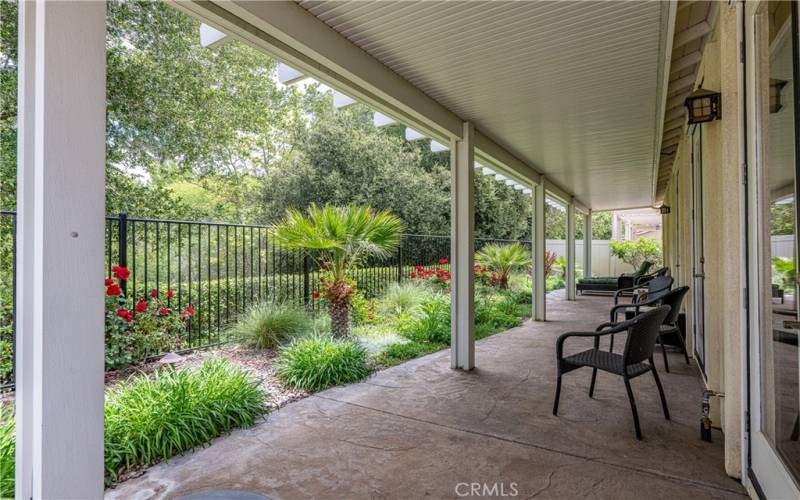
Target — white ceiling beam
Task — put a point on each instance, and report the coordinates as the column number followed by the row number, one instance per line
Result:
column 413, row 135
column 296, row 37
column 288, row 75
column 691, row 34
column 381, row 120
column 341, row 100
column 685, row 62
column 211, row 37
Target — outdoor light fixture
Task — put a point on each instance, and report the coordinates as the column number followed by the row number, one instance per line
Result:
column 704, row 106
column 775, row 89
column 413, row 135
column 664, row 209
column 381, row 120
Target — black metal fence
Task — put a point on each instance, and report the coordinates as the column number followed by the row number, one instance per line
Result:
column 219, row 269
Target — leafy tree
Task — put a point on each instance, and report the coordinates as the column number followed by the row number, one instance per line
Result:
column 636, row 252
column 340, row 238
column 781, row 219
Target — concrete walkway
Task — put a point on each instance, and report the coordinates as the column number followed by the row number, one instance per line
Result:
column 421, row 430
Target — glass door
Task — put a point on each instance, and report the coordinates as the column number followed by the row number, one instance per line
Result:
column 773, row 148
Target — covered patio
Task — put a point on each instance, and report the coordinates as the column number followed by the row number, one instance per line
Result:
column 422, row 430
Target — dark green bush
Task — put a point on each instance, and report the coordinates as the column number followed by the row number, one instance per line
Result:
column 267, row 325
column 7, row 450
column 403, row 351
column 433, row 323
column 319, row 361
column 152, row 418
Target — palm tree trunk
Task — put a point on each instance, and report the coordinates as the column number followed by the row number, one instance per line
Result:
column 340, row 318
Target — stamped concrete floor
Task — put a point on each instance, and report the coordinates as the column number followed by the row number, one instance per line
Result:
column 423, row 430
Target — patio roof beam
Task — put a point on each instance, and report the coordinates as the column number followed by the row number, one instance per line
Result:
column 297, row 38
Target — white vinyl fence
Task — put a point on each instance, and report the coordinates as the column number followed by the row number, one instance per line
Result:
column 782, row 246
column 603, row 263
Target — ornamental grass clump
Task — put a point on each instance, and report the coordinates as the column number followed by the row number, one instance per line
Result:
column 319, row 361
column 7, row 450
column 152, row 418
column 266, row 325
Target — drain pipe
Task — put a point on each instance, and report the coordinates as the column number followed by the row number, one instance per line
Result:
column 705, row 420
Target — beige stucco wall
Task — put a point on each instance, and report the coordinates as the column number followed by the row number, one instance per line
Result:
column 723, row 241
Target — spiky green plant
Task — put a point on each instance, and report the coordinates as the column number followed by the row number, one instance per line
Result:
column 319, row 361
column 266, row 325
column 7, row 450
column 339, row 239
column 152, row 418
column 503, row 259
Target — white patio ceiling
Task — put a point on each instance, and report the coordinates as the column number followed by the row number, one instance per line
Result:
column 573, row 88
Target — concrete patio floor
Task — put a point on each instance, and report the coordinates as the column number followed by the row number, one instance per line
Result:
column 421, row 430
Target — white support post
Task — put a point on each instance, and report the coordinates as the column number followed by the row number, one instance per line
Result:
column 462, row 244
column 61, row 210
column 587, row 245
column 570, row 251
column 539, row 278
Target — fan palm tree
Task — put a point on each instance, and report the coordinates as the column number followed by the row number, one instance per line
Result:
column 339, row 239
column 503, row 259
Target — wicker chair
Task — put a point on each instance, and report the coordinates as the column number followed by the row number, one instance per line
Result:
column 636, row 359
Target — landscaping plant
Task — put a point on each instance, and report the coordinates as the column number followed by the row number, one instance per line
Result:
column 267, row 325
column 140, row 327
column 636, row 252
column 152, row 418
column 502, row 260
column 339, row 239
column 319, row 361
column 7, row 451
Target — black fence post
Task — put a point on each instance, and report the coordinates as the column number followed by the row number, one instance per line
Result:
column 400, row 262
column 123, row 247
column 306, row 282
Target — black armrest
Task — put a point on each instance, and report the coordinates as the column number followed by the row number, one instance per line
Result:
column 620, row 291
column 636, row 305
column 615, row 328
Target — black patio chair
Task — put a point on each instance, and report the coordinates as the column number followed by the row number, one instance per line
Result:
column 642, row 280
column 651, row 289
column 673, row 299
column 635, row 360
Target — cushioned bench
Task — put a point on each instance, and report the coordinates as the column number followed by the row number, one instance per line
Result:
column 608, row 284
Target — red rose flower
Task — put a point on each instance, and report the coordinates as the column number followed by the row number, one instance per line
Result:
column 141, row 306
column 412, row 275
column 121, row 273
column 170, row 293
column 315, row 294
column 125, row 314
column 443, row 261
column 154, row 293
column 109, row 282
column 163, row 311
column 189, row 311
column 113, row 290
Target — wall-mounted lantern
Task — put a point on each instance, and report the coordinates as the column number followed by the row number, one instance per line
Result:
column 704, row 106
column 775, row 89
column 664, row 209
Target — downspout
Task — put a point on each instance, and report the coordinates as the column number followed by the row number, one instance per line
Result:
column 741, row 72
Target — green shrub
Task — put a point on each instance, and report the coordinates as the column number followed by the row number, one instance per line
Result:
column 636, row 252
column 7, row 450
column 267, row 325
column 433, row 323
column 319, row 361
column 402, row 300
column 6, row 361
column 554, row 283
column 362, row 309
column 403, row 351
column 152, row 418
